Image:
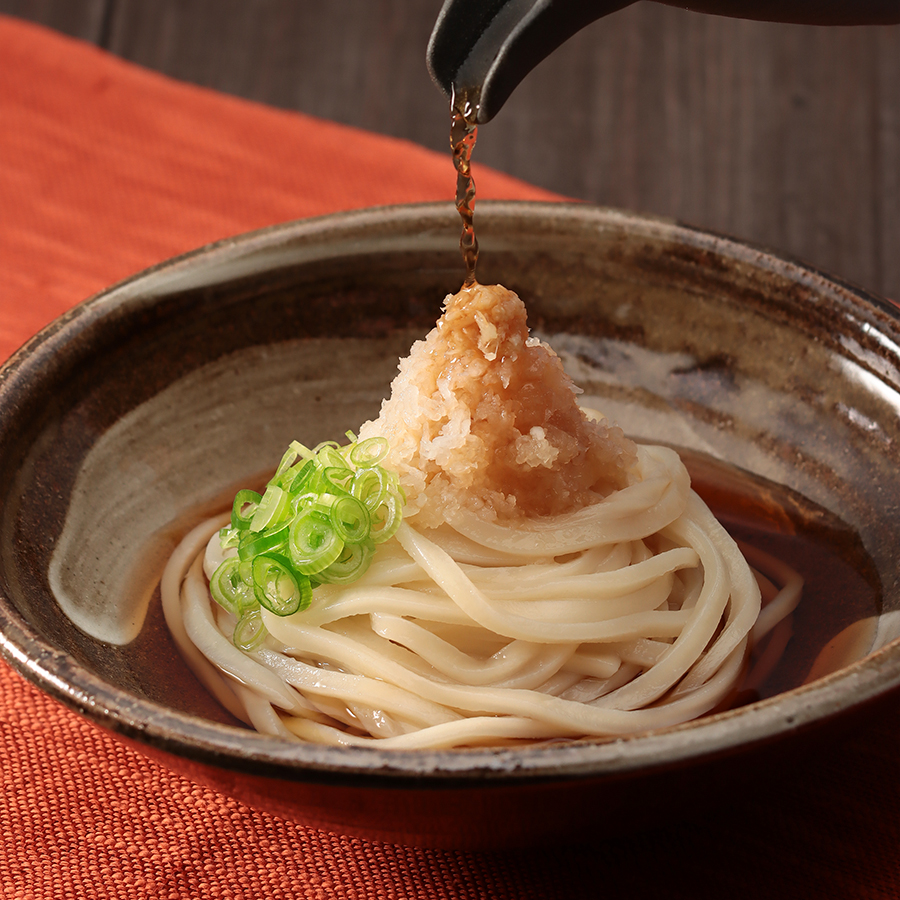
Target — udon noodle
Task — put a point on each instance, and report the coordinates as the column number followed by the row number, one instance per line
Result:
column 550, row 578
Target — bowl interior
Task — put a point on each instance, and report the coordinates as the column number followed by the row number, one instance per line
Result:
column 142, row 411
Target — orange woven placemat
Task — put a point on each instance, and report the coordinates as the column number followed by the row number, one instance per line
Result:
column 106, row 168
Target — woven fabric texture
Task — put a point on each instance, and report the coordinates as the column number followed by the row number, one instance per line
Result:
column 105, row 169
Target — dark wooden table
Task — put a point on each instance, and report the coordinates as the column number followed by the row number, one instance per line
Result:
column 784, row 135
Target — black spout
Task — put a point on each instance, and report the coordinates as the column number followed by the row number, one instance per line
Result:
column 484, row 48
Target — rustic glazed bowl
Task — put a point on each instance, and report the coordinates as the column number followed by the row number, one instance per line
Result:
column 137, row 413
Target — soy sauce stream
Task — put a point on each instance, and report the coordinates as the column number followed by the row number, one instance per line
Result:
column 463, row 133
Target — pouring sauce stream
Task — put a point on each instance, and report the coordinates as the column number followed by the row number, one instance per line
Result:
column 463, row 133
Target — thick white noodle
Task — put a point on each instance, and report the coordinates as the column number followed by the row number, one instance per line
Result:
column 636, row 613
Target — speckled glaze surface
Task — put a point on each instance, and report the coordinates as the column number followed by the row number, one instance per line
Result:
column 141, row 410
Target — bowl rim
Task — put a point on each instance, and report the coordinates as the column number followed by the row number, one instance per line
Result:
column 163, row 729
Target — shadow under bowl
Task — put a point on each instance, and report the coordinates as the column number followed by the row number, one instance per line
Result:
column 139, row 412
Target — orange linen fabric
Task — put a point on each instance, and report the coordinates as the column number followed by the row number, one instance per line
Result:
column 106, row 168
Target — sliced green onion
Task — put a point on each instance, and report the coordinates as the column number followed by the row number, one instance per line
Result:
column 274, row 507
column 369, row 452
column 295, row 479
column 252, row 544
column 350, row 565
column 229, row 590
column 386, row 519
column 337, row 478
column 228, row 537
column 370, row 487
column 277, row 587
column 328, row 453
column 323, row 502
column 245, row 568
column 303, row 504
column 250, row 631
column 318, row 521
column 351, row 519
column 287, row 461
column 314, row 544
column 288, row 469
column 243, row 508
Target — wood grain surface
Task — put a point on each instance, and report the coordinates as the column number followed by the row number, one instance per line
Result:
column 781, row 134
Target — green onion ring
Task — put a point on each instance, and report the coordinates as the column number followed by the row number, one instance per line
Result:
column 314, row 544
column 337, row 478
column 277, row 587
column 351, row 519
column 386, row 519
column 295, row 479
column 369, row 452
column 229, row 537
column 369, row 486
column 229, row 590
column 243, row 508
column 273, row 509
column 252, row 544
column 250, row 631
column 350, row 565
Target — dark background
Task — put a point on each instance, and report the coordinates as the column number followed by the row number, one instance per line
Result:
column 781, row 134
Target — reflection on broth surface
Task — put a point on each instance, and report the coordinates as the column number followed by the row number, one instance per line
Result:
column 841, row 586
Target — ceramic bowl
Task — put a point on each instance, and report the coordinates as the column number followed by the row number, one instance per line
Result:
column 140, row 411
